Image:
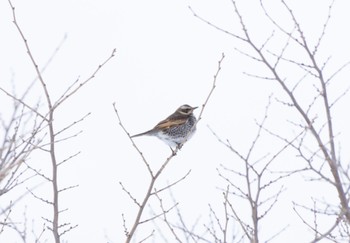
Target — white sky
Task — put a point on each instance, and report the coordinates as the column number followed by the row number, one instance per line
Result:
column 165, row 58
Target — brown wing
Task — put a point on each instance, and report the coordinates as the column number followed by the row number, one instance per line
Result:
column 168, row 123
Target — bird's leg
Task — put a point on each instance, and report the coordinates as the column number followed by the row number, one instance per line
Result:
column 173, row 151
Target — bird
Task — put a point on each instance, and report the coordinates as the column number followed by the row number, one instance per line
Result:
column 176, row 128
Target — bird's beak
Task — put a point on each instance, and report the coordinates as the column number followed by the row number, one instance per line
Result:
column 194, row 108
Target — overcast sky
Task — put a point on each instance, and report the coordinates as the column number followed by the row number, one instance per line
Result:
column 165, row 57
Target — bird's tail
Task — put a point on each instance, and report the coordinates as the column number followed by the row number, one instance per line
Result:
column 141, row 134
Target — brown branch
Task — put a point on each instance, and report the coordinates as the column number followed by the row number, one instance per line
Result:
column 51, row 129
column 132, row 141
column 215, row 26
column 72, row 124
column 20, row 100
column 70, row 92
column 226, row 202
column 129, row 194
column 164, row 214
column 69, row 158
column 172, row 184
column 329, row 154
column 50, row 122
column 184, row 228
column 154, row 176
column 147, row 237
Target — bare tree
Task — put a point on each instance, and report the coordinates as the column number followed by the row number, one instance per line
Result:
column 21, row 138
column 315, row 142
column 256, row 183
column 16, row 147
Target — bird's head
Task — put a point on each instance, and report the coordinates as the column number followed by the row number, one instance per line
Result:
column 186, row 110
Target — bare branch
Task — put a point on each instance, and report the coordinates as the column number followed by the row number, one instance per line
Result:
column 132, row 141
column 215, row 26
column 129, row 194
column 154, row 176
column 171, row 184
column 70, row 92
column 20, row 100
